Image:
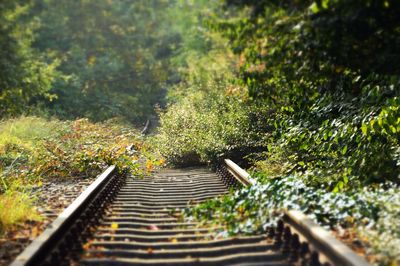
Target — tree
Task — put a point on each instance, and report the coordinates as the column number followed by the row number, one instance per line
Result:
column 25, row 77
column 114, row 55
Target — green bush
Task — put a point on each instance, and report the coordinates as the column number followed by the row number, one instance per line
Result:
column 210, row 117
column 354, row 147
column 333, row 95
column 204, row 130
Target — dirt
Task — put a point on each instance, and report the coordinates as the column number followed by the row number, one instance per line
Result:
column 51, row 199
column 350, row 237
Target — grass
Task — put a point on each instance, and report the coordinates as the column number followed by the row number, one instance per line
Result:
column 28, row 130
column 15, row 208
column 19, row 141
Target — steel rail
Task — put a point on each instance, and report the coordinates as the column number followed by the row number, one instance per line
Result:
column 332, row 250
column 38, row 250
column 295, row 238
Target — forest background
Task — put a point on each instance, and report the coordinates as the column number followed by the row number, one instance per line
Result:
column 303, row 93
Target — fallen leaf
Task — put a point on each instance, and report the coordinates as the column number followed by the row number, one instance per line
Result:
column 86, row 246
column 114, row 226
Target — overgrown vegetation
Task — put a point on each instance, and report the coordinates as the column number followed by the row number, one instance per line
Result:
column 333, row 120
column 369, row 215
column 322, row 79
column 89, row 61
column 206, row 120
column 34, row 150
column 304, row 93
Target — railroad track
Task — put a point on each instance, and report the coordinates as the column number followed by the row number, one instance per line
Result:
column 123, row 220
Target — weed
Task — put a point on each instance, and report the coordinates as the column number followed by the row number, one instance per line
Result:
column 15, row 208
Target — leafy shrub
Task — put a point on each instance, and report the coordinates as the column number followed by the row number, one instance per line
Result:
column 354, row 147
column 211, row 117
column 206, row 130
column 373, row 212
column 333, row 96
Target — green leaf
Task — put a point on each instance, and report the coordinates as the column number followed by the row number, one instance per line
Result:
column 304, row 146
column 314, row 8
column 344, row 150
column 364, row 129
column 325, row 136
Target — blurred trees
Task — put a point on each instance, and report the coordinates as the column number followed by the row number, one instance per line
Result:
column 25, row 76
column 95, row 58
column 114, row 55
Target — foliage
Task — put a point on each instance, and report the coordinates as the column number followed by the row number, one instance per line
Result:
column 209, row 118
column 95, row 59
column 258, row 207
column 326, row 69
column 384, row 235
column 25, row 76
column 311, row 113
column 35, row 150
column 189, row 21
column 322, row 78
column 307, row 91
column 114, row 56
column 352, row 149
